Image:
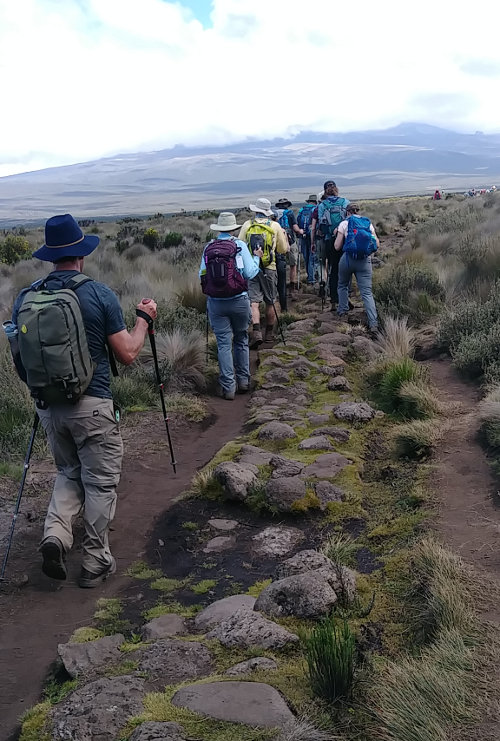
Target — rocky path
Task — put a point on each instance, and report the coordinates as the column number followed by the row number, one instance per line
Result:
column 36, row 617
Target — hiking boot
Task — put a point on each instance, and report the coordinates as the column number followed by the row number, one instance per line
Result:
column 255, row 339
column 373, row 332
column 322, row 289
column 228, row 395
column 243, row 388
column 351, row 305
column 88, row 580
column 270, row 336
column 53, row 556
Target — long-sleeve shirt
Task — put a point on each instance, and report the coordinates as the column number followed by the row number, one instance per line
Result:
column 246, row 263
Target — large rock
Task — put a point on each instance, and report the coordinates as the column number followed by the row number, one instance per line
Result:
column 219, row 544
column 251, row 454
column 252, row 703
column 284, row 467
column 317, row 442
column 236, row 479
column 82, row 658
column 276, row 431
column 302, row 562
column 309, row 595
column 365, row 348
column 259, row 663
column 331, row 354
column 327, row 466
column 152, row 731
column 282, row 493
column 224, row 525
column 277, row 540
column 333, row 370
column 318, row 419
column 219, row 611
column 303, row 324
column 169, row 661
column 163, row 627
column 338, row 383
column 98, row 711
column 246, row 629
column 354, row 411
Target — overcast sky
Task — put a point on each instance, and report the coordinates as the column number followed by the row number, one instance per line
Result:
column 83, row 79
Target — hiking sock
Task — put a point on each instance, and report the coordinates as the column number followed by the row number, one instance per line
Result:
column 256, row 327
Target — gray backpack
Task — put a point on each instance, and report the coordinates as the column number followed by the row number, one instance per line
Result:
column 53, row 342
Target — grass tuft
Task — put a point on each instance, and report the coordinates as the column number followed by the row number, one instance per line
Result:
column 417, row 440
column 331, row 659
column 397, row 339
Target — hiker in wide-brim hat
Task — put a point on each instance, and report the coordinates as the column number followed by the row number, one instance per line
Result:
column 283, row 203
column 226, row 222
column 64, row 238
column 261, row 206
column 312, row 199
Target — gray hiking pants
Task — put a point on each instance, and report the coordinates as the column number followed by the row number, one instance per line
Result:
column 87, row 447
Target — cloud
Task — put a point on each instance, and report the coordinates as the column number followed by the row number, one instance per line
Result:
column 88, row 78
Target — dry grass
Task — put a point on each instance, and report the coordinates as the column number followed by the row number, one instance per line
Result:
column 489, row 407
column 417, row 440
column 182, row 359
column 397, row 339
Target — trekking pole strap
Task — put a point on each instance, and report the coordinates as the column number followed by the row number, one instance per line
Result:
column 146, row 317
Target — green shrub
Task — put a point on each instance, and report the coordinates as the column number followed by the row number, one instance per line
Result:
column 172, row 316
column 331, row 659
column 14, row 248
column 476, row 352
column 151, row 238
column 410, row 289
column 172, row 239
column 133, row 390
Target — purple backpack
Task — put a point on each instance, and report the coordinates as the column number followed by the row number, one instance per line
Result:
column 222, row 278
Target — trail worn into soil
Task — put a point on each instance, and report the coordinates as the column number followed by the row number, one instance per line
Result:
column 469, row 519
column 43, row 613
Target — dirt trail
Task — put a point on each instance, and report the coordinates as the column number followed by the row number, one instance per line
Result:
column 38, row 616
column 469, row 519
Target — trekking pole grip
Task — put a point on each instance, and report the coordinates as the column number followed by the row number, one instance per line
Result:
column 146, row 317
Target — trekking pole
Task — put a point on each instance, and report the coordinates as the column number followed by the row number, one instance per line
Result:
column 20, row 494
column 298, row 270
column 268, row 300
column 206, row 330
column 152, row 340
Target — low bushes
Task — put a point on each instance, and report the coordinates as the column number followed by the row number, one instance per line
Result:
column 416, row 440
column 411, row 289
column 390, row 387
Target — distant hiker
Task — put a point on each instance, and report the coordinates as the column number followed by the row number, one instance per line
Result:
column 318, row 248
column 436, row 196
column 262, row 233
column 226, row 266
column 304, row 221
column 331, row 212
column 356, row 240
column 66, row 323
column 288, row 222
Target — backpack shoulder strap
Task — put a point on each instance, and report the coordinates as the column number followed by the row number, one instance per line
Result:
column 76, row 281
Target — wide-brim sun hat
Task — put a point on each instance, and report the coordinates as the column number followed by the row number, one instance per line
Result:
column 283, row 203
column 311, row 199
column 226, row 222
column 261, row 206
column 65, row 239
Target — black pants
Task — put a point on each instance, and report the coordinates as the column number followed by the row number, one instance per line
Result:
column 333, row 256
column 281, row 271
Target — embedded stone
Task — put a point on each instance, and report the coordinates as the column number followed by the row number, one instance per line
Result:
column 282, row 493
column 224, row 525
column 365, row 348
column 337, row 433
column 277, row 540
column 253, row 455
column 302, row 562
column 154, row 731
column 252, row 703
column 236, row 479
column 219, row 611
column 326, row 492
column 276, row 431
column 318, row 442
column 98, row 710
column 259, row 663
column 318, row 419
column 285, row 467
column 220, row 543
column 169, row 661
column 278, row 375
column 245, row 629
column 80, row 658
column 354, row 411
column 332, row 338
column 163, row 627
column 327, row 466
column 336, row 369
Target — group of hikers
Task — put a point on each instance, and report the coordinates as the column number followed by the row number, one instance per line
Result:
column 66, row 329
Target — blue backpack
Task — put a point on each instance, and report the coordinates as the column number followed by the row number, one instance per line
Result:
column 304, row 217
column 359, row 242
column 283, row 220
column 331, row 212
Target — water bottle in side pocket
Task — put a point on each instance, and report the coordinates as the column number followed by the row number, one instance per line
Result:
column 12, row 333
